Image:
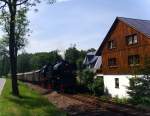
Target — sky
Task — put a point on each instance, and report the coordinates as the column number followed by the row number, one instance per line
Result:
column 81, row 22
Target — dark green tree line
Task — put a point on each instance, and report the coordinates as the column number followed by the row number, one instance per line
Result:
column 28, row 62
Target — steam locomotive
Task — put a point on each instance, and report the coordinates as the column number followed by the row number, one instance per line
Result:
column 59, row 76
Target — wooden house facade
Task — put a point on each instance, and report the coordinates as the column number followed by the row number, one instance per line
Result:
column 126, row 46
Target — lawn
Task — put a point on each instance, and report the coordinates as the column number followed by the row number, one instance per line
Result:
column 30, row 103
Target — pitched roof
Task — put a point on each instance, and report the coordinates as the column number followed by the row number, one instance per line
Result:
column 90, row 58
column 142, row 26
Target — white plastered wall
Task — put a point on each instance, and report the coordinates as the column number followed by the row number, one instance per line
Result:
column 109, row 83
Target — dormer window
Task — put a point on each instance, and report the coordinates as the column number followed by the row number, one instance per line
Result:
column 111, row 44
column 132, row 39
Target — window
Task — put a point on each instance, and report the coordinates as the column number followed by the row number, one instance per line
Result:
column 111, row 44
column 132, row 39
column 133, row 59
column 112, row 62
column 116, row 82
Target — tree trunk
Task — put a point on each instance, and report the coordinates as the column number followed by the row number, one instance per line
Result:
column 12, row 47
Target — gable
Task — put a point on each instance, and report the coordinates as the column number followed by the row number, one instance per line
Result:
column 99, row 51
column 128, row 23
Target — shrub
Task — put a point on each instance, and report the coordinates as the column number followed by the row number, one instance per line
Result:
column 87, row 77
column 139, row 90
column 95, row 86
column 120, row 100
column 105, row 98
column 98, row 87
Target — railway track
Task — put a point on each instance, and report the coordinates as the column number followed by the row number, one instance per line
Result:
column 120, row 109
column 82, row 99
column 83, row 105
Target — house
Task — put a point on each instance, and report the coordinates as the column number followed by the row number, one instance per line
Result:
column 92, row 61
column 124, row 48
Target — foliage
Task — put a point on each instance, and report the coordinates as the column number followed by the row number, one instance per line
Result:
column 139, row 89
column 91, row 50
column 30, row 103
column 115, row 99
column 120, row 100
column 98, row 86
column 146, row 68
column 28, row 62
column 24, row 63
column 54, row 56
column 21, row 30
column 13, row 8
column 4, row 59
column 87, row 77
column 72, row 55
column 38, row 60
column 79, row 64
column 105, row 98
column 75, row 56
column 95, row 86
column 3, row 48
column 4, row 65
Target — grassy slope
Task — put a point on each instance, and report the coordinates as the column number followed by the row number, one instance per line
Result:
column 29, row 104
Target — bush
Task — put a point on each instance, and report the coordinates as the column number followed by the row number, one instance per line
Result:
column 139, row 90
column 98, row 87
column 115, row 99
column 95, row 86
column 86, row 77
column 105, row 98
column 120, row 100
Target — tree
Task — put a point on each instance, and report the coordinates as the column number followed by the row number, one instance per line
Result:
column 21, row 30
column 4, row 59
column 38, row 60
column 12, row 7
column 139, row 89
column 91, row 50
column 3, row 49
column 72, row 54
column 19, row 38
column 79, row 62
column 54, row 56
column 24, row 63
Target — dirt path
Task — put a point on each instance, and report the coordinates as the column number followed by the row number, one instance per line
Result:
column 2, row 83
column 79, row 105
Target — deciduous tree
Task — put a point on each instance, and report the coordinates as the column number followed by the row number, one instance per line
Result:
column 12, row 7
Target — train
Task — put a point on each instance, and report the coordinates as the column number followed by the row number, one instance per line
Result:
column 60, row 76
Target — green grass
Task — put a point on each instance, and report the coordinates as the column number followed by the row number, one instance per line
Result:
column 116, row 100
column 29, row 104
